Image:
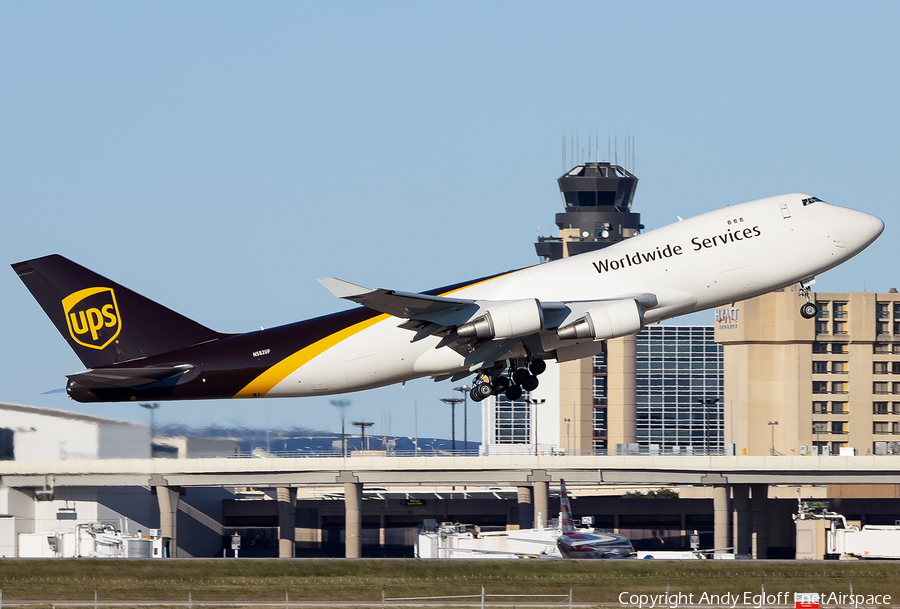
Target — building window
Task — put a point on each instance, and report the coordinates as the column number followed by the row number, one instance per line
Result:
column 840, row 310
column 882, row 327
column 513, row 422
column 600, row 422
column 895, row 407
column 839, row 327
column 820, row 347
column 820, row 367
column 895, row 427
column 879, row 408
column 823, row 310
column 820, row 407
column 839, row 387
column 839, row 427
column 881, row 347
column 821, row 327
column 897, row 309
column 896, row 327
column 882, row 310
column 880, row 367
column 839, row 408
column 895, row 367
column 837, row 446
column 839, row 367
column 819, row 427
column 880, row 427
column 599, row 447
column 879, row 388
column 822, row 387
column 895, row 387
column 839, row 348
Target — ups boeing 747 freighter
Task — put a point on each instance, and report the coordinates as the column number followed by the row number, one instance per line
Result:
column 499, row 329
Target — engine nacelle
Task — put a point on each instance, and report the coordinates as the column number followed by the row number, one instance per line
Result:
column 510, row 320
column 618, row 318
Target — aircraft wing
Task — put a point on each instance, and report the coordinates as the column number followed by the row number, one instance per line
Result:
column 535, row 325
column 434, row 309
column 127, row 377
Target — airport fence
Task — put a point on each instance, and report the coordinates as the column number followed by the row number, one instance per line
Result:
column 674, row 451
column 689, row 588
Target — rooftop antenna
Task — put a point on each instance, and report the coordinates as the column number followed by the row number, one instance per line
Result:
column 597, row 147
column 616, row 146
column 564, row 153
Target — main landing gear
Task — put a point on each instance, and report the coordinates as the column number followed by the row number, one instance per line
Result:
column 512, row 385
column 809, row 309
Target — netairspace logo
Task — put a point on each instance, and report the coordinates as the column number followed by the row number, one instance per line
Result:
column 746, row 600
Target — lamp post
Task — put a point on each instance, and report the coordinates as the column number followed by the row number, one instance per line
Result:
column 534, row 403
column 705, row 402
column 772, row 424
column 453, row 402
column 464, row 390
column 568, row 450
column 362, row 430
column 342, row 406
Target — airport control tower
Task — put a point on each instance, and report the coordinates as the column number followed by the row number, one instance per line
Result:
column 596, row 394
column 597, row 200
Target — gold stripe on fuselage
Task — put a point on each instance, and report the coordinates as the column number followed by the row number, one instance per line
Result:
column 264, row 383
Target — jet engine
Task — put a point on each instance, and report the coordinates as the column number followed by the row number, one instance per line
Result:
column 509, row 320
column 616, row 318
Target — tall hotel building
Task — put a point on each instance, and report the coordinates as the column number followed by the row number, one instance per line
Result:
column 822, row 386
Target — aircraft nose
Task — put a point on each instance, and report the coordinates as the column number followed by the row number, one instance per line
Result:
column 857, row 229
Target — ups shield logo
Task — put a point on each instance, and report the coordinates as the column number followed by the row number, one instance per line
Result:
column 93, row 317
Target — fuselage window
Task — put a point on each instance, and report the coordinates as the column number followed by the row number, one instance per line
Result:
column 812, row 200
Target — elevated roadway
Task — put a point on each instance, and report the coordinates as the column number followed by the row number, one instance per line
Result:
column 739, row 484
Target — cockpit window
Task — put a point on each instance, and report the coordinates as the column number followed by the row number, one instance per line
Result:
column 812, row 200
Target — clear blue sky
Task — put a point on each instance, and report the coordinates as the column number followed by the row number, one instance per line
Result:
column 220, row 157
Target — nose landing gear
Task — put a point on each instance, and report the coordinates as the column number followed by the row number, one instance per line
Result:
column 809, row 309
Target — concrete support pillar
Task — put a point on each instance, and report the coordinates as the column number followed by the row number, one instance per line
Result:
column 287, row 521
column 759, row 501
column 382, row 525
column 721, row 538
column 741, row 518
column 541, row 494
column 167, row 497
column 352, row 519
column 526, row 509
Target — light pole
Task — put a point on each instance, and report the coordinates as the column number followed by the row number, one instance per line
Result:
column 342, row 406
column 453, row 402
column 567, row 435
column 362, row 431
column 152, row 408
column 772, row 424
column 534, row 403
column 705, row 402
column 464, row 390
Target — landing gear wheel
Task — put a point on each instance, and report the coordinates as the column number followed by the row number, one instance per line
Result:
column 513, row 393
column 530, row 383
column 519, row 375
column 537, row 367
column 808, row 310
column 500, row 384
column 481, row 391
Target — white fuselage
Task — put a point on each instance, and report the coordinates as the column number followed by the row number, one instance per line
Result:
column 718, row 257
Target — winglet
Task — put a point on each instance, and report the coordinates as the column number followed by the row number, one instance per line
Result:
column 343, row 289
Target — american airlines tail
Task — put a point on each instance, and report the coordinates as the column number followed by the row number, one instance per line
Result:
column 565, row 511
column 104, row 322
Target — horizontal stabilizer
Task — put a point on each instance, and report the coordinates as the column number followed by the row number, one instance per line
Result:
column 126, row 377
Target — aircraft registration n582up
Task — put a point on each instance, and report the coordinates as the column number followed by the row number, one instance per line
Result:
column 500, row 329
